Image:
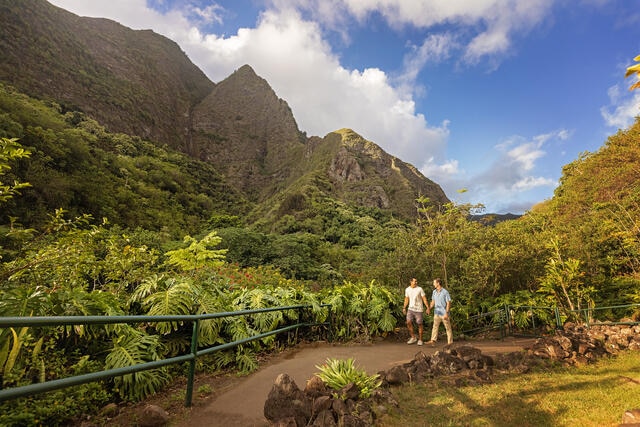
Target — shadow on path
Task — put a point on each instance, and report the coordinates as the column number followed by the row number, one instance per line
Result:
column 242, row 404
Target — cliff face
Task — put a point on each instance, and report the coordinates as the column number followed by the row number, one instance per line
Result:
column 248, row 133
column 365, row 175
column 142, row 84
column 134, row 82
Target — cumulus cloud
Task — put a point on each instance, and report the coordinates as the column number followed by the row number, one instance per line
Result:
column 510, row 179
column 623, row 107
column 489, row 24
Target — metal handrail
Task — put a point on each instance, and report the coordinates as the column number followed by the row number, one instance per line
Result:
column 504, row 321
column 16, row 392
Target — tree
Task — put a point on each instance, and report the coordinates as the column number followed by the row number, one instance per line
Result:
column 634, row 69
column 443, row 232
column 563, row 283
column 198, row 254
column 10, row 150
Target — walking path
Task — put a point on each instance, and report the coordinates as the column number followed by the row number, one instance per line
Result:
column 242, row 404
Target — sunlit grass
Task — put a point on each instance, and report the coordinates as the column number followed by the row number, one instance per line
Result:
column 594, row 395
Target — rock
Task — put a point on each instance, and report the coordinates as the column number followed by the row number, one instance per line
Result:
column 286, row 400
column 153, row 416
column 467, row 353
column 316, row 387
column 445, row 364
column 110, row 410
column 321, row 404
column 285, row 422
column 397, row 375
column 631, row 417
column 324, row 419
column 459, row 365
column 350, row 391
column 348, row 420
column 483, row 376
column 339, row 407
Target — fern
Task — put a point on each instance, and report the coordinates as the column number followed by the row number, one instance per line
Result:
column 133, row 349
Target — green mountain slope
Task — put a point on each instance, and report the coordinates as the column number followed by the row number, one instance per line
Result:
column 78, row 166
column 141, row 85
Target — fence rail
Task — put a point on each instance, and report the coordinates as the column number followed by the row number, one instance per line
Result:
column 195, row 352
column 528, row 320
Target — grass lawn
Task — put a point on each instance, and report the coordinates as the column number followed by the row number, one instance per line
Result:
column 593, row 395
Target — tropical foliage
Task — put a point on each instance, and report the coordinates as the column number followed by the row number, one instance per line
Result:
column 94, row 223
column 338, row 373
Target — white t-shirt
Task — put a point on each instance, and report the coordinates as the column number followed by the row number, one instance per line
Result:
column 415, row 298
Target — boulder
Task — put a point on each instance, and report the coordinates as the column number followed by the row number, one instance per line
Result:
column 153, row 416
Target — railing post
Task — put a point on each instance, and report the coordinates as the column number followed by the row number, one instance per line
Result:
column 586, row 318
column 331, row 323
column 192, row 363
column 556, row 311
column 507, row 317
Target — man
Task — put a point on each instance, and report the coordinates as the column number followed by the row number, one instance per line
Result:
column 415, row 300
column 441, row 303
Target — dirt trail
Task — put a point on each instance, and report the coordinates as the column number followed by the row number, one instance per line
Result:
column 243, row 402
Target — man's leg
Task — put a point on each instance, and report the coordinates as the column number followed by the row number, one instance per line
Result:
column 410, row 327
column 447, row 326
column 436, row 325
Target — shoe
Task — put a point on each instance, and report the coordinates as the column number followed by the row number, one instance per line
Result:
column 412, row 340
column 419, row 342
column 431, row 342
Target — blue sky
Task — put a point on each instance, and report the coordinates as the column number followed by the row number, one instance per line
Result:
column 490, row 96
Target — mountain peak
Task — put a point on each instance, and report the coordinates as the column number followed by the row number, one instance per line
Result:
column 245, row 70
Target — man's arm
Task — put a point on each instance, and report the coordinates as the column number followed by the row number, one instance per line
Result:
column 426, row 304
column 405, row 304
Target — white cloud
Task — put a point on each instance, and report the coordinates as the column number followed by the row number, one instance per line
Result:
column 623, row 107
column 531, row 182
column 434, row 49
column 491, row 24
column 211, row 14
column 510, row 182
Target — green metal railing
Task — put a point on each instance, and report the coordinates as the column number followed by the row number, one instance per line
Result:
column 527, row 320
column 195, row 352
column 588, row 315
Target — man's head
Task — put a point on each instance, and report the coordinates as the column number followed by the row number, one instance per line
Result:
column 436, row 283
column 414, row 282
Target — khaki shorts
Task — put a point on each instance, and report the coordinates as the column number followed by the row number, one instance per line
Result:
column 415, row 316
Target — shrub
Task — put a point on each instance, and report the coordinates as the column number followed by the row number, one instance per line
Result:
column 338, row 373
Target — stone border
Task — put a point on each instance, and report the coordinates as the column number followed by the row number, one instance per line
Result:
column 318, row 406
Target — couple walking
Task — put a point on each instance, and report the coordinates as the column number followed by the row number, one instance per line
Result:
column 415, row 300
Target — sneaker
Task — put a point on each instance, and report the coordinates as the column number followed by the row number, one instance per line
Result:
column 419, row 342
column 431, row 342
column 412, row 340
